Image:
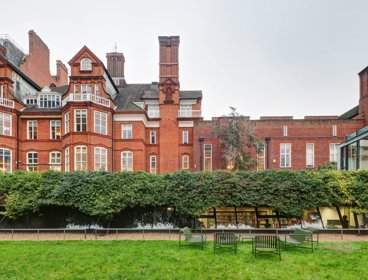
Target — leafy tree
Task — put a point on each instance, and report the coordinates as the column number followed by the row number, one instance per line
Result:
column 237, row 141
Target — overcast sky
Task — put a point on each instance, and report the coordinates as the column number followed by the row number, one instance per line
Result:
column 276, row 57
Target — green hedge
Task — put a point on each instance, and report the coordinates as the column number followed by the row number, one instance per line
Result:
column 103, row 194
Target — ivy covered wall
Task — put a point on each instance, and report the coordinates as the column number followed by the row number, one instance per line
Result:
column 104, row 195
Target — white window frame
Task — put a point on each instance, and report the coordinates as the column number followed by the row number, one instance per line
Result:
column 86, row 64
column 55, row 160
column 334, row 130
column 185, row 137
column 6, row 124
column 67, row 123
column 185, row 162
column 100, row 159
column 82, row 112
column 127, row 157
column 32, row 162
column 127, row 131
column 153, row 110
column 2, row 91
column 97, row 89
column 49, row 101
column 309, row 155
column 56, row 125
column 67, row 160
column 76, row 88
column 207, row 158
column 31, row 100
column 100, row 118
column 32, row 130
column 186, row 110
column 153, row 139
column 153, row 164
column 5, row 166
column 86, row 88
column 285, row 131
column 333, row 152
column 80, row 164
column 283, row 152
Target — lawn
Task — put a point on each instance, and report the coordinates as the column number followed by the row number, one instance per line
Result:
column 165, row 260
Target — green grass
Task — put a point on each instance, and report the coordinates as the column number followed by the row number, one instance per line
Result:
column 165, row 260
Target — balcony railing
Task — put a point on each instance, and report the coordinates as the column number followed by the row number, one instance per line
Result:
column 153, row 114
column 190, row 114
column 6, row 102
column 83, row 97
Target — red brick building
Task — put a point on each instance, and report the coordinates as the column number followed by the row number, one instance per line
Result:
column 98, row 121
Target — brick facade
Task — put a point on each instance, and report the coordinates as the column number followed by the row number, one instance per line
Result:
column 318, row 132
column 102, row 122
column 37, row 62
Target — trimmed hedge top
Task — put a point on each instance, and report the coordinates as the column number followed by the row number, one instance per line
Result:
column 104, row 194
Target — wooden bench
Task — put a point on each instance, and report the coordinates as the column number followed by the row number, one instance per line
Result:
column 225, row 240
column 266, row 244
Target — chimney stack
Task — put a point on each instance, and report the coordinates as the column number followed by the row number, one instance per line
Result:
column 115, row 66
column 169, row 58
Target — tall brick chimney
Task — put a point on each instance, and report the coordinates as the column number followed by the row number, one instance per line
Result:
column 115, row 66
column 169, row 103
column 169, row 58
column 363, row 100
column 169, row 69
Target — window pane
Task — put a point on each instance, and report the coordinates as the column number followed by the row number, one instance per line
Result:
column 5, row 160
column 285, row 155
column 100, row 159
column 5, row 124
column 127, row 161
column 80, row 158
column 207, row 157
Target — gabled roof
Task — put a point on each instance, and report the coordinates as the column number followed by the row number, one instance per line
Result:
column 84, row 49
column 353, row 112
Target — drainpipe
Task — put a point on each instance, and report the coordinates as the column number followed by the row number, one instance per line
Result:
column 201, row 139
column 267, row 139
column 112, row 142
column 17, row 151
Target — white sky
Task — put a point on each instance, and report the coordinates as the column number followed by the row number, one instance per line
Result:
column 284, row 57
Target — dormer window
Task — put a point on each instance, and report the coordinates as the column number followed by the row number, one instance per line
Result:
column 49, row 101
column 86, row 64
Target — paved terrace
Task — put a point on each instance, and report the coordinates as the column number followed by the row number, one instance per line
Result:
column 330, row 235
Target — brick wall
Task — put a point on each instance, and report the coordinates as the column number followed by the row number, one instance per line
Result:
column 300, row 132
column 37, row 64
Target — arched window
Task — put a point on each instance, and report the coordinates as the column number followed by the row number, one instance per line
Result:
column 5, row 160
column 86, row 64
column 185, row 162
column 153, row 164
column 126, row 161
